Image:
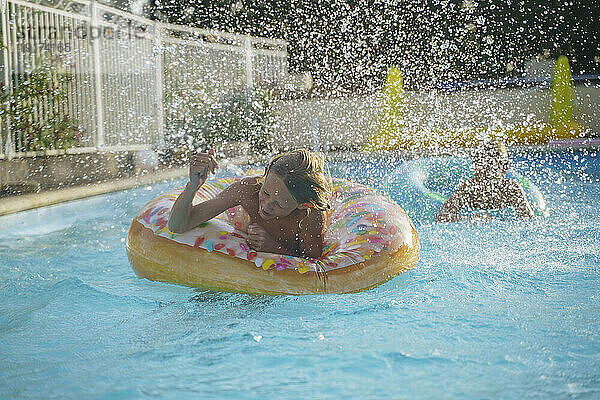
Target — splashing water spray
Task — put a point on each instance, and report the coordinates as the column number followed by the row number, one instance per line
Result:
column 392, row 134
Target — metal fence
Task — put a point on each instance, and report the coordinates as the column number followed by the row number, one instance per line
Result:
column 129, row 75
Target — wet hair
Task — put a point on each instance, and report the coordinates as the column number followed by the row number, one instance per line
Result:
column 490, row 150
column 305, row 176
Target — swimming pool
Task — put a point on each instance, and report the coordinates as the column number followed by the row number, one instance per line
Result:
column 507, row 309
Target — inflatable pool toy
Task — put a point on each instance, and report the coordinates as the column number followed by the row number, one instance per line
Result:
column 393, row 133
column 391, row 120
column 424, row 184
column 369, row 239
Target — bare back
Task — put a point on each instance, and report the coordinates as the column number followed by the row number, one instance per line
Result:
column 485, row 195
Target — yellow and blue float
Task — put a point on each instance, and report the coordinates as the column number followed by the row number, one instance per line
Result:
column 369, row 239
column 424, row 184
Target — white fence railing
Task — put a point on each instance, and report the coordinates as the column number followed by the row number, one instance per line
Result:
column 128, row 74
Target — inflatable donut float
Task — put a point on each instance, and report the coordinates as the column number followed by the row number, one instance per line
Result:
column 423, row 185
column 369, row 239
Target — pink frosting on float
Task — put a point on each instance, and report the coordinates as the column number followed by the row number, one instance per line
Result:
column 362, row 223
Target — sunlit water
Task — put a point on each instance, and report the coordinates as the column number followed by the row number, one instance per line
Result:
column 507, row 309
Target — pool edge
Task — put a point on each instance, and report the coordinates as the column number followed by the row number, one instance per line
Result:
column 15, row 204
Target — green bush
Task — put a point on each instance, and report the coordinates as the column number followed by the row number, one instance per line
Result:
column 35, row 109
column 242, row 116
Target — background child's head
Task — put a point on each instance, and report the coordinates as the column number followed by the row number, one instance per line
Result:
column 490, row 160
column 304, row 174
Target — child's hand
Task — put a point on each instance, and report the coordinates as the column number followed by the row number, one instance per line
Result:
column 257, row 237
column 201, row 164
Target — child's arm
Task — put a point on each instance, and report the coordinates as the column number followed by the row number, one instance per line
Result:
column 201, row 164
column 260, row 240
column 310, row 239
column 184, row 216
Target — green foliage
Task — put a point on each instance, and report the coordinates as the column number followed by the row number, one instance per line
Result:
column 244, row 116
column 241, row 117
column 36, row 108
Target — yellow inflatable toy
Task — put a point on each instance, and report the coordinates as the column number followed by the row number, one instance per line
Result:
column 392, row 134
column 369, row 240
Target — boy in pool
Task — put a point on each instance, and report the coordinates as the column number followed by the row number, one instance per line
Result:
column 286, row 206
column 489, row 189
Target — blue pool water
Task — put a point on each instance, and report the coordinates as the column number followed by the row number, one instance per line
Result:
column 503, row 310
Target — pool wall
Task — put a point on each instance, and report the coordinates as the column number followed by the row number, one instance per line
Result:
column 14, row 204
column 27, row 174
column 345, row 123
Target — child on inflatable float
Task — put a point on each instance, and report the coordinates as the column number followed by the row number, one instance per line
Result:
column 489, row 189
column 286, row 207
column 292, row 230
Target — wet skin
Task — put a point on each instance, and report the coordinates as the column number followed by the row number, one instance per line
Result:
column 490, row 189
column 279, row 224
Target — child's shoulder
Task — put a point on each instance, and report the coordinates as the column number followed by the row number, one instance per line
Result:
column 466, row 185
column 315, row 220
column 240, row 190
column 247, row 183
column 250, row 181
column 514, row 188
